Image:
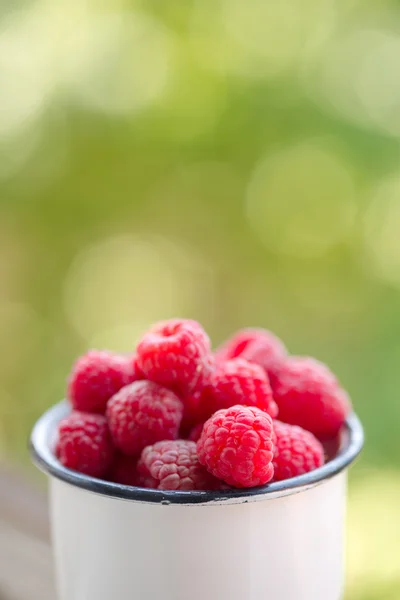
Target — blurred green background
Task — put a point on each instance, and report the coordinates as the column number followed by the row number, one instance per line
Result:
column 235, row 161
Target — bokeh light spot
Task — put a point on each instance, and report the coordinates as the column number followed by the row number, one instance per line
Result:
column 274, row 36
column 119, row 64
column 24, row 78
column 117, row 287
column 15, row 152
column 301, row 200
column 381, row 233
column 357, row 77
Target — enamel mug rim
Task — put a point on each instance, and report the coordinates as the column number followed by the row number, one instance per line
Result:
column 42, row 442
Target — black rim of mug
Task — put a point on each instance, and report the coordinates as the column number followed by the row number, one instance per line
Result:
column 43, row 435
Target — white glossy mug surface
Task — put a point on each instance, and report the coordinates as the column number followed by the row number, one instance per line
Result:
column 281, row 542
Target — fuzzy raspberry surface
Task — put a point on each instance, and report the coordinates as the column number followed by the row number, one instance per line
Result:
column 197, row 408
column 238, row 382
column 236, row 445
column 95, row 377
column 176, row 354
column 296, row 451
column 136, row 372
column 175, row 466
column 257, row 346
column 141, row 414
column 84, row 444
column 144, row 477
column 309, row 395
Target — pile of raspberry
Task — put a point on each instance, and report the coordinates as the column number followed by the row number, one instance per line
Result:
column 175, row 415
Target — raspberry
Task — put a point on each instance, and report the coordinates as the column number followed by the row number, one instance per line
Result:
column 236, row 445
column 143, row 413
column 84, row 444
column 144, row 479
column 257, row 346
column 196, row 409
column 308, row 394
column 297, row 451
column 95, row 377
column 176, row 354
column 239, row 382
column 126, row 470
column 136, row 373
column 176, row 467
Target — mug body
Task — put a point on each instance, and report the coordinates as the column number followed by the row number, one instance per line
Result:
column 284, row 548
column 282, row 541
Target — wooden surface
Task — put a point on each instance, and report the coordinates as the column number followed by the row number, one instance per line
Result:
column 26, row 570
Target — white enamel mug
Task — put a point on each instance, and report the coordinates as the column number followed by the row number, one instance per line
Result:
column 283, row 541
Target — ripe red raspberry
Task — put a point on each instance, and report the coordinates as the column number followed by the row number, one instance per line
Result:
column 145, row 479
column 239, row 382
column 197, row 408
column 308, row 394
column 296, row 451
column 126, row 470
column 84, row 444
column 257, row 346
column 236, row 445
column 176, row 354
column 176, row 467
column 136, row 373
column 95, row 377
column 143, row 413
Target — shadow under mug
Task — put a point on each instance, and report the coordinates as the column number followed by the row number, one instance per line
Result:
column 282, row 541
